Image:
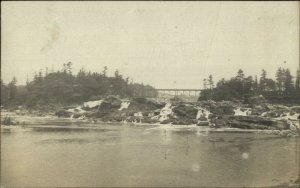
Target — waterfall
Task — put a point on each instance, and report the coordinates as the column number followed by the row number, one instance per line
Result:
column 202, row 112
column 240, row 112
column 165, row 112
column 292, row 120
column 124, row 105
column 92, row 104
column 138, row 114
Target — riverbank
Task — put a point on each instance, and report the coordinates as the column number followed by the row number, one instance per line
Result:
column 258, row 115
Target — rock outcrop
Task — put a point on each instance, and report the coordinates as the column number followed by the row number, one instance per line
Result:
column 257, row 115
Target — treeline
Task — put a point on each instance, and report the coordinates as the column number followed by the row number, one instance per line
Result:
column 242, row 87
column 64, row 87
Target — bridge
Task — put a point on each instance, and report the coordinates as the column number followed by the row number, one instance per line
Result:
column 153, row 93
column 175, row 92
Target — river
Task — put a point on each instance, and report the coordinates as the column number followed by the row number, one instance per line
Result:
column 125, row 155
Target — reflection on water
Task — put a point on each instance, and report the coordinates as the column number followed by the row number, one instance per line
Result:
column 120, row 155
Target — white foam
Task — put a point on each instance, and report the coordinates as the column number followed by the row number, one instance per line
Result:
column 165, row 112
column 202, row 112
column 245, row 112
column 124, row 105
column 92, row 104
column 293, row 117
column 292, row 120
column 77, row 109
column 264, row 114
column 138, row 114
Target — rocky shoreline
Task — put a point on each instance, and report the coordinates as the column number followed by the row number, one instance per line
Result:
column 258, row 115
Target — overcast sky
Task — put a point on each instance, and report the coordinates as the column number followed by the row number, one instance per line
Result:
column 165, row 44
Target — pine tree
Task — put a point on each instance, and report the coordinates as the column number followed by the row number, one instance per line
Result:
column 280, row 74
column 104, row 71
column 12, row 89
column 255, row 85
column 210, row 82
column 288, row 82
column 204, row 83
column 69, row 67
column 262, row 80
column 297, row 83
column 4, row 93
column 240, row 75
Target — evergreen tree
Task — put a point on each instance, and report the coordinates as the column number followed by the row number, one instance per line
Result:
column 288, row 82
column 210, row 82
column 262, row 81
column 280, row 79
column 104, row 72
column 255, row 85
column 4, row 93
column 204, row 83
column 240, row 75
column 297, row 83
column 12, row 89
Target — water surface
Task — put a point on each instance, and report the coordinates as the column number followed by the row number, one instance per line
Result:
column 123, row 155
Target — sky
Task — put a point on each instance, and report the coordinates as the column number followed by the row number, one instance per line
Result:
column 164, row 44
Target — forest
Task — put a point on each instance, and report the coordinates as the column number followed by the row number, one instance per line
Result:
column 64, row 87
column 241, row 87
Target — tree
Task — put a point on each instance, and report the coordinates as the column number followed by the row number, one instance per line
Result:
column 255, row 85
column 4, row 93
column 288, row 82
column 69, row 67
column 210, row 82
column 240, row 75
column 297, row 83
column 262, row 80
column 270, row 86
column 64, row 88
column 12, row 89
column 104, row 71
column 117, row 74
column 280, row 79
column 204, row 83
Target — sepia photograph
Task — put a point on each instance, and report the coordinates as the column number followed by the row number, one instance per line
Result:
column 150, row 94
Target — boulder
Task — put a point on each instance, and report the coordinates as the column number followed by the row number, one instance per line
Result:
column 168, row 121
column 203, row 123
column 247, row 125
column 281, row 125
column 257, row 100
column 186, row 112
column 255, row 122
column 114, row 102
column 63, row 113
column 149, row 120
column 185, row 122
column 175, row 121
column 223, row 109
column 203, row 118
column 296, row 109
column 220, row 121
